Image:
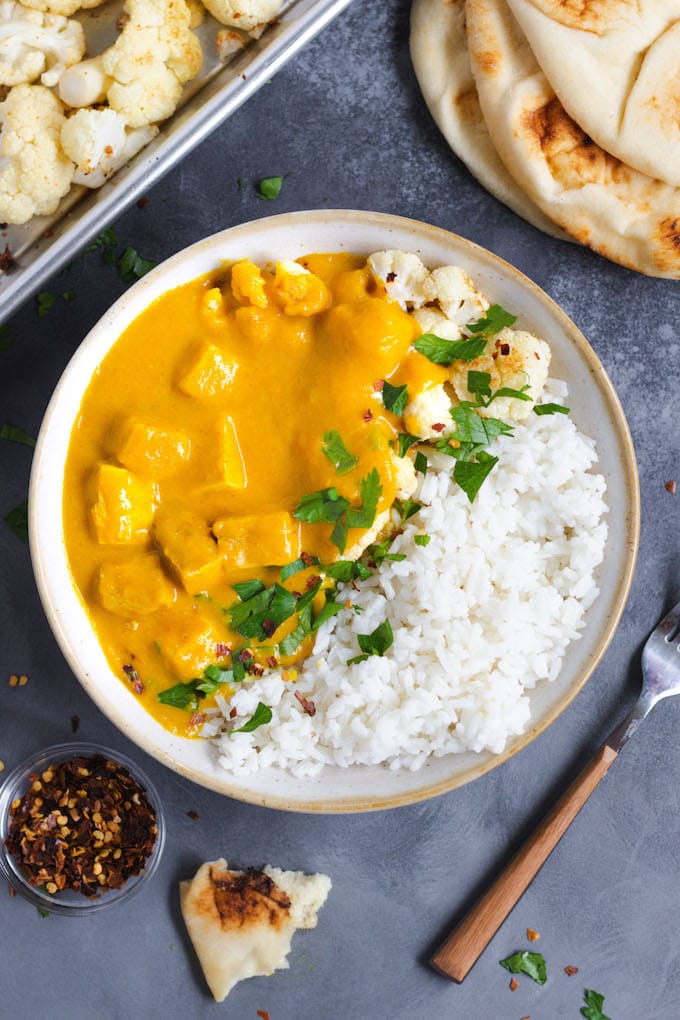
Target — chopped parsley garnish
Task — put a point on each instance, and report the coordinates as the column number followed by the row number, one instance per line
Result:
column 68, row 295
column 493, row 322
column 189, row 694
column 443, row 352
column 473, row 430
column 324, row 505
column 347, row 570
column 375, row 643
column 261, row 715
column 44, row 302
column 269, row 188
column 406, row 441
column 327, row 505
column 301, row 563
column 106, row 240
column 550, row 409
column 531, row 964
column 6, row 340
column 43, row 912
column 18, row 520
column 131, row 266
column 593, row 1006
column 246, row 589
column 16, row 435
column 421, row 539
column 263, row 612
column 395, row 398
column 406, row 508
column 420, row 463
column 471, row 475
column 370, row 491
column 337, row 453
column 183, row 695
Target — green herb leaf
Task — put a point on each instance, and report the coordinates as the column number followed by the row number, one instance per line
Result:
column 183, row 695
column 550, row 409
column 478, row 384
column 406, row 441
column 421, row 539
column 330, row 609
column 217, row 676
column 16, row 435
column 44, row 302
column 337, row 453
column 406, row 508
column 107, row 239
column 290, row 644
column 131, row 265
column 6, row 340
column 471, row 475
column 323, row 505
column 270, row 188
column 531, row 964
column 370, row 490
column 68, row 295
column 347, row 570
column 247, row 589
column 593, row 1006
column 375, row 643
column 262, row 614
column 395, row 398
column 443, row 352
column 420, row 463
column 339, row 534
column 297, row 565
column 507, row 391
column 493, row 322
column 18, row 520
column 471, row 428
column 43, row 912
column 261, row 715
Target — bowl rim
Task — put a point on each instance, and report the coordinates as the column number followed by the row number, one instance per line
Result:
column 14, row 785
column 355, row 802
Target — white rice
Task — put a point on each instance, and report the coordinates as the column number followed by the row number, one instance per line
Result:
column 480, row 615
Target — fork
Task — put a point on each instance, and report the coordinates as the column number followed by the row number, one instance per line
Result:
column 660, row 679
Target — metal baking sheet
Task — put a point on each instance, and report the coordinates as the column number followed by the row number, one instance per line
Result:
column 46, row 244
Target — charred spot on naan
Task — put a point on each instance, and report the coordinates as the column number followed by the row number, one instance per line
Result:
column 597, row 16
column 245, row 898
column 667, row 244
column 573, row 158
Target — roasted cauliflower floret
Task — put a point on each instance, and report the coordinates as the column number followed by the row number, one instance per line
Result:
column 513, row 358
column 245, row 14
column 406, row 480
column 405, row 277
column 142, row 74
column 457, row 296
column 35, row 45
column 427, row 412
column 34, row 171
column 99, row 143
column 63, row 7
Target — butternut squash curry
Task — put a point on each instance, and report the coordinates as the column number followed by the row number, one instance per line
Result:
column 236, row 451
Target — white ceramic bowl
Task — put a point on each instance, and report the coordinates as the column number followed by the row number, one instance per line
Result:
column 595, row 408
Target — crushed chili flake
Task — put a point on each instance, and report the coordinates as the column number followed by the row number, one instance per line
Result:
column 233, row 713
column 272, row 661
column 514, row 984
column 245, row 655
column 222, row 649
column 75, row 723
column 671, row 486
column 268, row 626
column 532, row 935
column 308, row 706
column 367, row 415
column 570, row 971
column 143, row 202
column 378, row 385
column 256, row 669
column 307, row 559
column 7, row 260
column 193, row 815
column 84, row 824
column 391, row 277
column 505, row 349
column 311, row 581
column 297, row 594
column 439, row 427
column 197, row 718
column 263, row 1014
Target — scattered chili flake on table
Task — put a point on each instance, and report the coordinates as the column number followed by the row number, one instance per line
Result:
column 193, row 815
column 75, row 723
column 532, row 935
column 514, row 984
column 84, row 824
column 263, row 1014
column 671, row 486
column 570, row 971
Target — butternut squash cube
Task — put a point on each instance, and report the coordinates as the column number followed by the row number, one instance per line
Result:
column 189, row 643
column 152, row 451
column 188, row 546
column 134, row 587
column 208, row 373
column 124, row 509
column 247, row 284
column 231, row 466
column 270, row 539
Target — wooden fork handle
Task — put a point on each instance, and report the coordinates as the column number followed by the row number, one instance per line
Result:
column 467, row 941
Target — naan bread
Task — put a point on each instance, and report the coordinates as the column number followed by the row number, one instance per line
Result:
column 603, row 203
column 442, row 65
column 615, row 67
column 241, row 922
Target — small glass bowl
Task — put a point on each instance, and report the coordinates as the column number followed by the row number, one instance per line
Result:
column 70, row 901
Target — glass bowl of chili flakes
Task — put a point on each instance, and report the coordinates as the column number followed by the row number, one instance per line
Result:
column 81, row 828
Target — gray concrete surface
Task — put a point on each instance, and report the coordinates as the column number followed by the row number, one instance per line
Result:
column 346, row 121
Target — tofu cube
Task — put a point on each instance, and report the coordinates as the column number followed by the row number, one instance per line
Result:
column 259, row 540
column 151, row 451
column 189, row 643
column 208, row 373
column 189, row 548
column 135, row 587
column 124, row 508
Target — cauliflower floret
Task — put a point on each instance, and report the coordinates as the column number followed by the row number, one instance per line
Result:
column 457, row 296
column 513, row 358
column 99, row 143
column 431, row 320
column 428, row 409
column 34, row 171
column 63, row 7
column 405, row 277
column 142, row 74
column 35, row 45
column 245, row 14
column 406, row 479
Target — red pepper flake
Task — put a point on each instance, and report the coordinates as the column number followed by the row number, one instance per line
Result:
column 131, row 673
column 297, row 594
column 570, row 971
column 514, row 984
column 7, row 260
column 532, row 935
column 268, row 626
column 197, row 718
column 12, row 890
column 537, row 356
column 193, row 815
column 311, row 581
column 367, row 415
column 308, row 706
column 75, row 723
column 272, row 661
column 143, row 202
column 263, row 1014
column 378, row 385
column 233, row 713
column 256, row 669
column 390, row 278
column 138, row 686
column 671, row 486
column 439, row 427
column 222, row 649
column 505, row 349
column 245, row 655
column 307, row 559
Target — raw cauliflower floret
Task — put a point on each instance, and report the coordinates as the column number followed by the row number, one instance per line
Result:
column 34, row 171
column 245, row 14
column 99, row 143
column 513, row 358
column 142, row 74
column 35, row 45
column 63, row 7
column 406, row 279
